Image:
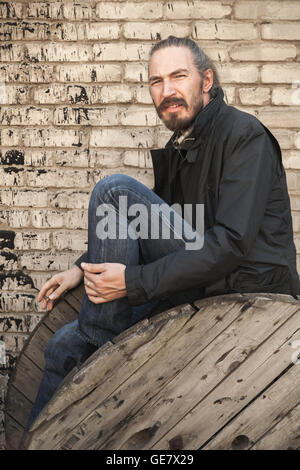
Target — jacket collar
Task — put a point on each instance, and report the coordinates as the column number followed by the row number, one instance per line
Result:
column 201, row 125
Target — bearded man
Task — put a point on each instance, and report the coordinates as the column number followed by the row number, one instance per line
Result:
column 218, row 157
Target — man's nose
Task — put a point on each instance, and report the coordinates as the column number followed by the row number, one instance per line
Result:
column 168, row 89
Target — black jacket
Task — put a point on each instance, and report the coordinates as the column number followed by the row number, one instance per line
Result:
column 232, row 164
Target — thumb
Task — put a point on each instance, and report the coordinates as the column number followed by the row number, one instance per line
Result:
column 93, row 267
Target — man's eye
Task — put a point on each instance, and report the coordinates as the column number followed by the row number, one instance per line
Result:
column 180, row 76
column 155, row 82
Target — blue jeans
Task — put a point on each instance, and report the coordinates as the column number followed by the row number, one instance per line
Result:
column 99, row 323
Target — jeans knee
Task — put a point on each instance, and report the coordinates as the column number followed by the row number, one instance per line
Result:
column 57, row 355
column 111, row 183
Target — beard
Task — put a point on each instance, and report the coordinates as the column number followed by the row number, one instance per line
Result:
column 173, row 121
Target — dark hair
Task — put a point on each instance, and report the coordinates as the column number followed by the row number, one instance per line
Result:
column 201, row 61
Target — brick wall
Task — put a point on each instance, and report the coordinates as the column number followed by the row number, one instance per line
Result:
column 75, row 108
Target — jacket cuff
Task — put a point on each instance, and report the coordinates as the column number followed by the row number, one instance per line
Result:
column 135, row 292
column 82, row 259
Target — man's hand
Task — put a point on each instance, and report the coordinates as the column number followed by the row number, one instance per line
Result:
column 57, row 285
column 104, row 282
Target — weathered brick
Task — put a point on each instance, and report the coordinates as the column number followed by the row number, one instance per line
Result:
column 67, row 177
column 24, row 116
column 106, row 116
column 28, row 73
column 11, row 10
column 35, row 157
column 85, row 31
column 10, row 137
column 11, row 157
column 225, row 30
column 216, row 52
column 15, row 94
column 283, row 73
column 229, row 94
column 19, row 31
column 19, row 323
column 69, row 199
column 273, row 10
column 286, row 96
column 142, row 94
column 88, row 73
column 277, row 31
column 233, row 73
column 16, row 281
column 162, row 135
column 53, row 137
column 45, row 10
column 254, row 96
column 56, row 52
column 41, row 261
column 120, row 51
column 11, row 52
column 121, row 138
column 138, row 116
column 23, row 197
column 154, row 31
column 10, row 302
column 296, row 221
column 8, row 260
column 297, row 139
column 12, row 176
column 77, row 219
column 70, row 240
column 136, row 72
column 106, row 158
column 47, row 218
column 263, row 52
column 73, row 158
column 139, row 158
column 129, row 10
column 77, row 11
column 116, row 94
column 18, row 218
column 195, row 10
column 32, row 240
column 291, row 160
column 285, row 138
column 39, row 279
column 275, row 117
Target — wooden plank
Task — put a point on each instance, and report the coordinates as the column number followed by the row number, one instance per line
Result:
column 285, row 435
column 61, row 314
column 13, row 433
column 225, row 401
column 261, row 415
column 195, row 379
column 189, row 338
column 35, row 349
column 18, row 406
column 74, row 297
column 106, row 369
column 27, row 378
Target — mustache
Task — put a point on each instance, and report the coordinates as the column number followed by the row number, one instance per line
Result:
column 171, row 101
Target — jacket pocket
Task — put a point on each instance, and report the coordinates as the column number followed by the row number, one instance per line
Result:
column 275, row 280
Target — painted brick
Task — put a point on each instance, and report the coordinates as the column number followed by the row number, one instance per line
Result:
column 195, row 10
column 120, row 51
column 53, row 137
column 12, row 176
column 162, row 135
column 67, row 178
column 23, row 197
column 39, row 157
column 73, row 158
column 129, row 10
column 276, row 10
column 142, row 94
column 229, row 94
column 286, row 96
column 11, row 10
column 116, row 94
column 285, row 138
column 107, row 158
column 138, row 115
column 24, row 116
column 77, row 10
column 12, row 157
column 85, row 31
column 225, row 31
column 16, row 302
column 154, row 31
column 10, row 137
column 25, row 30
column 14, row 344
column 254, row 96
column 121, row 138
column 69, row 199
column 12, row 94
column 76, row 219
column 19, row 323
column 277, row 31
column 232, row 73
column 11, row 52
column 283, row 73
column 28, row 73
column 32, row 240
column 280, row 117
column 46, row 218
column 139, row 158
column 137, row 72
column 88, row 73
column 18, row 218
column 57, row 52
column 8, row 260
column 106, row 116
column 16, row 281
column 291, row 160
column 41, row 261
column 70, row 240
column 45, row 10
column 264, row 52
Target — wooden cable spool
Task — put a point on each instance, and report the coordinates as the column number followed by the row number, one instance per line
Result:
column 222, row 374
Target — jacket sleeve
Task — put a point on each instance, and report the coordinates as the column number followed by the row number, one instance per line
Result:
column 244, row 188
column 82, row 259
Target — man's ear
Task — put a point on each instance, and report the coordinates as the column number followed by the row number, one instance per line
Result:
column 208, row 77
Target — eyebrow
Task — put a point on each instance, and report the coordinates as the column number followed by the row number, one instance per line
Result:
column 154, row 77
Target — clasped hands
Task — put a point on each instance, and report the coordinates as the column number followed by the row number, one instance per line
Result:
column 103, row 282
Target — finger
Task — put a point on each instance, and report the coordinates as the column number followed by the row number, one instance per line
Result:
column 45, row 299
column 57, row 292
column 94, row 267
column 90, row 291
column 97, row 300
column 93, row 277
column 49, row 284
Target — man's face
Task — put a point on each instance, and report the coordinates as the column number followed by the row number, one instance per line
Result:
column 176, row 87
